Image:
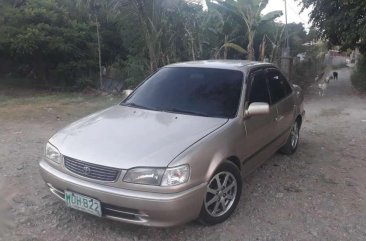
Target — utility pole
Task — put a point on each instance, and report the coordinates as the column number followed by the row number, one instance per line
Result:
column 286, row 60
column 286, row 50
column 287, row 41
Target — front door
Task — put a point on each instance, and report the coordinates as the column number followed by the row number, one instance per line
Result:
column 259, row 129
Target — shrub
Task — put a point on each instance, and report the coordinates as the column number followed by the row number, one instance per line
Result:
column 358, row 77
column 304, row 73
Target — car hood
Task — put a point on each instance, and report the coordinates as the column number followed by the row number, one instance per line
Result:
column 125, row 137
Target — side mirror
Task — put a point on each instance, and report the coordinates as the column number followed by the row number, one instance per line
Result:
column 257, row 108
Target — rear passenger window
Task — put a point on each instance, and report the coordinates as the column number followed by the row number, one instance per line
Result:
column 279, row 88
column 259, row 88
column 286, row 85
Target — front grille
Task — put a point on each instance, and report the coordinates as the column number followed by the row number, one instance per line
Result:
column 93, row 171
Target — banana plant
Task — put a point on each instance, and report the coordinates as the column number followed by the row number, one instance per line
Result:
column 250, row 12
column 225, row 27
column 230, row 45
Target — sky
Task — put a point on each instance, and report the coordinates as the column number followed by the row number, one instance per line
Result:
column 293, row 11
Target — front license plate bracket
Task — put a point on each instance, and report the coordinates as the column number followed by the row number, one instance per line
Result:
column 83, row 203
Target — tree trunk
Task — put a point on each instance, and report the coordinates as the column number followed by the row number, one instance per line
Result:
column 251, row 54
column 274, row 49
column 149, row 33
column 274, row 58
column 152, row 54
column 192, row 48
column 99, row 55
column 225, row 48
column 262, row 49
column 192, row 43
column 40, row 70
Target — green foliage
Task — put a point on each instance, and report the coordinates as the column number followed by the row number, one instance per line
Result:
column 341, row 22
column 297, row 37
column 358, row 77
column 249, row 13
column 39, row 33
column 304, row 73
column 56, row 41
column 133, row 70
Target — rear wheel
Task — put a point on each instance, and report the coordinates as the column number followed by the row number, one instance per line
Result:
column 293, row 140
column 222, row 195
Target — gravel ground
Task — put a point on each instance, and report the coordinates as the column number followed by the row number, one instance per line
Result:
column 316, row 194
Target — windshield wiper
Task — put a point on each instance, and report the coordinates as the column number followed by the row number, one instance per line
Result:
column 131, row 104
column 175, row 110
column 171, row 110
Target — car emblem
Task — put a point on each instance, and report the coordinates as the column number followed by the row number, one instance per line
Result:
column 86, row 170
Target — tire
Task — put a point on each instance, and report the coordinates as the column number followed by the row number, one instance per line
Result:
column 293, row 140
column 223, row 194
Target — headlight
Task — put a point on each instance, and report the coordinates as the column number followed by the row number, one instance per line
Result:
column 53, row 154
column 147, row 176
column 176, row 175
column 158, row 176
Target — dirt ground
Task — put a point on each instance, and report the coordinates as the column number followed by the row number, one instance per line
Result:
column 319, row 193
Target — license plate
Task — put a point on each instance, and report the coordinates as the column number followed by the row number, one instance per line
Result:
column 83, row 203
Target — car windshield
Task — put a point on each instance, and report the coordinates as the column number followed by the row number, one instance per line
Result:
column 194, row 91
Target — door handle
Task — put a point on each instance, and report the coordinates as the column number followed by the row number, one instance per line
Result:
column 279, row 118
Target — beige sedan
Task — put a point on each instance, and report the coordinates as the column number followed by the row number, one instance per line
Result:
column 176, row 149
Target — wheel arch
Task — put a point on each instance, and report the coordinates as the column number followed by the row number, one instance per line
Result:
column 216, row 164
column 235, row 160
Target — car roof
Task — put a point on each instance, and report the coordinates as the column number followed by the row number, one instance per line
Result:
column 221, row 64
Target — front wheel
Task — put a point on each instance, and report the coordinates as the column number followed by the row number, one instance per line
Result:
column 293, row 140
column 222, row 195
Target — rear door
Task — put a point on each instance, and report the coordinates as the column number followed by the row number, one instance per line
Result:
column 282, row 98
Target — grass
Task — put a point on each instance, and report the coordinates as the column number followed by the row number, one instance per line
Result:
column 17, row 82
column 39, row 98
column 17, row 103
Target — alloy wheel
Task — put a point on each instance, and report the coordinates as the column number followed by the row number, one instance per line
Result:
column 221, row 194
column 295, row 135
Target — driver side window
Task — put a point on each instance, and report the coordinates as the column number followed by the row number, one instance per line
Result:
column 259, row 88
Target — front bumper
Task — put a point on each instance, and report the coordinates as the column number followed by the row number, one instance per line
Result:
column 149, row 209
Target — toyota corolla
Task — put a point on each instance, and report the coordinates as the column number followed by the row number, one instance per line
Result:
column 176, row 149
